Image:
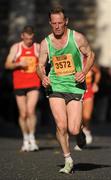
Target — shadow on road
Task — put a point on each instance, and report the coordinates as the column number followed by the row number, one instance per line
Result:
column 89, row 166
column 97, row 147
column 86, row 166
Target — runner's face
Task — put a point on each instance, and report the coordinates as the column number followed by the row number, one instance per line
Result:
column 28, row 39
column 58, row 24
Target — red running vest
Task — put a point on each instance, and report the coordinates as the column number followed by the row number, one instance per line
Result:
column 26, row 78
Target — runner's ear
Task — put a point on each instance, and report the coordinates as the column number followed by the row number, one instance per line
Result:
column 66, row 23
column 50, row 22
column 22, row 35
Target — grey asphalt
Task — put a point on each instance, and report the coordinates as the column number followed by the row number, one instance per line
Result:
column 93, row 163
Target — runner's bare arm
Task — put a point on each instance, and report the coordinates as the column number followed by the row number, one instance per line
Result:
column 11, row 59
column 37, row 49
column 85, row 49
column 42, row 62
column 97, row 76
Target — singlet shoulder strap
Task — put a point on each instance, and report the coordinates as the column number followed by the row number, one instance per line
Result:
column 18, row 51
column 48, row 40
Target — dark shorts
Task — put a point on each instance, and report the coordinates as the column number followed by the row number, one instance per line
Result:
column 24, row 91
column 67, row 96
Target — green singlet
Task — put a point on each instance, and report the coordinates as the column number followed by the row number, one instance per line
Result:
column 64, row 63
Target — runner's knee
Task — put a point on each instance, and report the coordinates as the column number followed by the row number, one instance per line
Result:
column 61, row 128
column 23, row 115
column 74, row 130
column 30, row 112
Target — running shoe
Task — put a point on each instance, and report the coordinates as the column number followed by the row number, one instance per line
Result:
column 33, row 146
column 88, row 134
column 81, row 139
column 67, row 168
column 77, row 148
column 25, row 147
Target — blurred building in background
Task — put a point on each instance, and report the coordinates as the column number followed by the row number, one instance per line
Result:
column 103, row 49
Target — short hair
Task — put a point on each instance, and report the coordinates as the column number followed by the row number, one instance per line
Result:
column 57, row 10
column 28, row 29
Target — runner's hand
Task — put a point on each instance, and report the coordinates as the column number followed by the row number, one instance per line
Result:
column 80, row 77
column 95, row 87
column 45, row 81
column 23, row 64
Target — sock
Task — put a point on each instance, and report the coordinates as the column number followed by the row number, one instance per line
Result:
column 31, row 138
column 25, row 137
column 68, row 157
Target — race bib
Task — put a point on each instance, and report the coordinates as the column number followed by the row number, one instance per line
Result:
column 31, row 63
column 63, row 65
